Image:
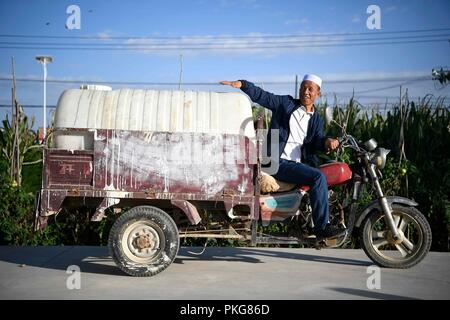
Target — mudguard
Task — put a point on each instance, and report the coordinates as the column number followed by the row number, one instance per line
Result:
column 376, row 205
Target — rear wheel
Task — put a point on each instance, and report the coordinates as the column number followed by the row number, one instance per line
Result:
column 144, row 241
column 383, row 249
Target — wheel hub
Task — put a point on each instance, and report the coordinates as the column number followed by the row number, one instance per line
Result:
column 143, row 242
column 390, row 237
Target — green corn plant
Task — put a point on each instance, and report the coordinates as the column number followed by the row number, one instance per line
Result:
column 28, row 147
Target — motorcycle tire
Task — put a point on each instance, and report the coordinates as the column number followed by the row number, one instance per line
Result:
column 382, row 248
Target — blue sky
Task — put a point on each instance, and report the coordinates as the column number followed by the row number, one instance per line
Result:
column 224, row 23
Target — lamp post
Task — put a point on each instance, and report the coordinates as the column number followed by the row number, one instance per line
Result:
column 44, row 60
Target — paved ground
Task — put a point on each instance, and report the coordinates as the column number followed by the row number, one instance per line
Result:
column 220, row 273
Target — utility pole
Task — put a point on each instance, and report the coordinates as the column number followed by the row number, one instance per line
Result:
column 402, row 120
column 15, row 119
column 296, row 86
column 181, row 72
column 401, row 142
column 44, row 60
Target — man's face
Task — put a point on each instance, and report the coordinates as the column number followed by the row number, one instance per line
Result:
column 309, row 92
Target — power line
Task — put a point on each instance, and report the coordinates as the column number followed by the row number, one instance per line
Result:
column 388, row 87
column 382, row 88
column 367, row 103
column 342, row 94
column 363, row 80
column 246, row 47
column 28, row 106
column 360, row 80
column 355, row 93
column 214, row 42
column 112, row 82
column 223, row 36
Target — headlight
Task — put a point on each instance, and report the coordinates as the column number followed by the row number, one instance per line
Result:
column 379, row 157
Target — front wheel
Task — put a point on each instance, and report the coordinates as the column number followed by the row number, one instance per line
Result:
column 144, row 241
column 410, row 249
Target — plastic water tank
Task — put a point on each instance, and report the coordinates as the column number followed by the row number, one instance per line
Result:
column 149, row 110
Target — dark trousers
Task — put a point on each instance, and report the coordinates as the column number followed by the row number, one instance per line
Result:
column 302, row 174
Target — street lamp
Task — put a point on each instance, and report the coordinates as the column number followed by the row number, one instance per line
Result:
column 44, row 60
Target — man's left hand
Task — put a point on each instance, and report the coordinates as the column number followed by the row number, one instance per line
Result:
column 331, row 144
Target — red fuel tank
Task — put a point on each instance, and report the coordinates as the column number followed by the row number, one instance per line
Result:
column 336, row 173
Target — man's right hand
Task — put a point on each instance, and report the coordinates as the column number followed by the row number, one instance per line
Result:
column 235, row 84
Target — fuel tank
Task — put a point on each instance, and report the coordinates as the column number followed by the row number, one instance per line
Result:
column 336, row 173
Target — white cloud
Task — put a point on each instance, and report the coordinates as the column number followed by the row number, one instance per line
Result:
column 356, row 18
column 239, row 4
column 379, row 75
column 296, row 21
column 245, row 3
column 51, row 78
column 350, row 76
column 251, row 43
column 225, row 3
column 391, row 8
column 254, row 4
column 105, row 35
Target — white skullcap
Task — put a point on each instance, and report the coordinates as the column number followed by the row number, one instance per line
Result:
column 313, row 78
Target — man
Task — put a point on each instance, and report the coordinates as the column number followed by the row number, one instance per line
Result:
column 301, row 134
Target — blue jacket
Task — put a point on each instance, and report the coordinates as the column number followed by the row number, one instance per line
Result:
column 282, row 107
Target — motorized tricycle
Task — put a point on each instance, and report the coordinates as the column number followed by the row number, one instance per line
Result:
column 164, row 179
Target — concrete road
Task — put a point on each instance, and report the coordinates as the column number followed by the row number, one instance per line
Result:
column 219, row 274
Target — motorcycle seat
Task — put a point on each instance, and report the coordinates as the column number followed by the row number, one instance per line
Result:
column 271, row 185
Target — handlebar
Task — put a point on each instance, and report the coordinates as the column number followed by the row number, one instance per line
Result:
column 348, row 141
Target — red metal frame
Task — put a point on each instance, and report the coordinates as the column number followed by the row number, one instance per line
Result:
column 129, row 164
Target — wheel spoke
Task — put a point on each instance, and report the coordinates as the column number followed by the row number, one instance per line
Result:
column 401, row 249
column 397, row 219
column 408, row 244
column 379, row 234
column 404, row 223
column 378, row 243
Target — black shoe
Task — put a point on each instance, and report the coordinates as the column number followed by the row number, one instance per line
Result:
column 330, row 231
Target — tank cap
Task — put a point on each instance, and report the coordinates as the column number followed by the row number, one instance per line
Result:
column 97, row 87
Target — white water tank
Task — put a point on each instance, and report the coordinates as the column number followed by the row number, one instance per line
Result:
column 149, row 110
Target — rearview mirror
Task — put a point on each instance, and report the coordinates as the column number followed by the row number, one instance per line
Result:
column 328, row 115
